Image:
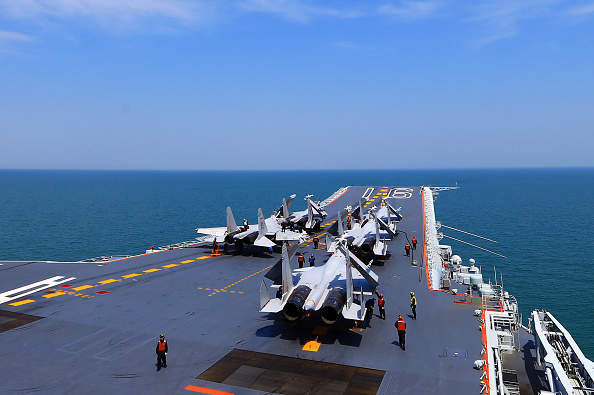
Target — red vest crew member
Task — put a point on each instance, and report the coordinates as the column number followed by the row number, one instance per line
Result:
column 401, row 326
column 301, row 260
column 407, row 248
column 414, row 243
column 381, row 302
column 161, row 352
column 316, row 241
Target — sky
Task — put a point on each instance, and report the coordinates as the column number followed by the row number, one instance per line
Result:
column 275, row 84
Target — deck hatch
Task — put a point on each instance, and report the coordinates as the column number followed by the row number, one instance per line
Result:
column 288, row 375
column 10, row 320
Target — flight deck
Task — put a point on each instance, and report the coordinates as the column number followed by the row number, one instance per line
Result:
column 92, row 327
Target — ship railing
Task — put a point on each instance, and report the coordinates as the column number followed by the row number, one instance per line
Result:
column 104, row 258
column 331, row 198
column 434, row 261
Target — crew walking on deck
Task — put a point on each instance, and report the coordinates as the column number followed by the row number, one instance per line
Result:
column 301, row 260
column 312, row 260
column 407, row 248
column 401, row 326
column 316, row 241
column 414, row 243
column 413, row 305
column 161, row 350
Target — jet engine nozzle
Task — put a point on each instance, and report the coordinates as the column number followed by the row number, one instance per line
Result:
column 249, row 239
column 294, row 307
column 333, row 305
column 367, row 244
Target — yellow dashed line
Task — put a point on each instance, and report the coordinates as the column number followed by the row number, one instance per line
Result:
column 22, row 302
column 111, row 280
column 152, row 270
column 188, row 261
column 172, row 265
column 82, row 287
column 202, row 257
column 54, row 294
column 132, row 275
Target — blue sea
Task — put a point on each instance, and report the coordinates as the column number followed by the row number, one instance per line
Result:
column 541, row 218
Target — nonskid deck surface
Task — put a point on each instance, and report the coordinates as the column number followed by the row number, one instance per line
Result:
column 97, row 333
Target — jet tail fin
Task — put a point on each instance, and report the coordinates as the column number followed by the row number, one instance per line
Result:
column 231, row 224
column 385, row 227
column 286, row 213
column 262, row 240
column 365, row 271
column 287, row 274
column 395, row 211
column 340, row 227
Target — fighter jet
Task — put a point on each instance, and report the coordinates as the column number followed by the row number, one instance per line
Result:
column 330, row 289
column 264, row 234
column 371, row 232
column 309, row 219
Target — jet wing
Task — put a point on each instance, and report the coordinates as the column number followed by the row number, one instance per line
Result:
column 220, row 231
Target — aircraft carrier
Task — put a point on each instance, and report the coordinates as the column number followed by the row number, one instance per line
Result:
column 92, row 327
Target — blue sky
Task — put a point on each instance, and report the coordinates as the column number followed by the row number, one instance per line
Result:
column 266, row 84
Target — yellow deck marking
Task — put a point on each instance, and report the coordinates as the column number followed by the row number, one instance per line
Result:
column 82, row 287
column 111, row 280
column 237, row 282
column 151, row 270
column 54, row 294
column 188, row 261
column 172, row 265
column 312, row 346
column 202, row 257
column 22, row 302
column 132, row 275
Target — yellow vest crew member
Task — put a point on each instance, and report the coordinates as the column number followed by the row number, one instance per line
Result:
column 161, row 352
column 401, row 326
column 413, row 305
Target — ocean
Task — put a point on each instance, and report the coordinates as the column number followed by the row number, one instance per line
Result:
column 540, row 218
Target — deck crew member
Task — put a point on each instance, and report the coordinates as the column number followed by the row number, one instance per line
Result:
column 283, row 225
column 369, row 306
column 215, row 247
column 381, row 303
column 316, row 241
column 414, row 243
column 348, row 223
column 413, row 305
column 301, row 260
column 161, row 350
column 401, row 326
column 407, row 248
column 245, row 225
column 312, row 260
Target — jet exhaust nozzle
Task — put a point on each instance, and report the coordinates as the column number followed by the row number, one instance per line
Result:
column 249, row 239
column 367, row 245
column 333, row 305
column 294, row 307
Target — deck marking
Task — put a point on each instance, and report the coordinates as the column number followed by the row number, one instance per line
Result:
column 237, row 282
column 21, row 302
column 207, row 390
column 111, row 280
column 152, row 270
column 172, row 265
column 102, row 292
column 188, row 261
column 31, row 288
column 82, row 287
column 132, row 275
column 53, row 295
column 312, row 345
column 203, row 257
